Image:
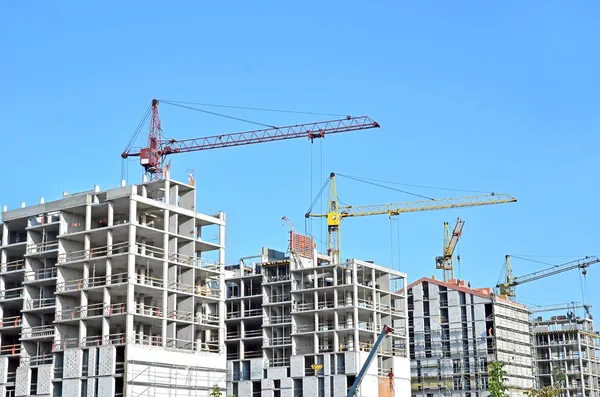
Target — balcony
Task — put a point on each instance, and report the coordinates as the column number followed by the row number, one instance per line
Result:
column 212, row 347
column 10, row 322
column 277, row 298
column 10, row 350
column 277, row 341
column 40, row 274
column 93, row 253
column 40, row 248
column 39, row 332
column 99, row 281
column 94, row 310
column 12, row 293
column 34, row 361
column 192, row 261
column 33, row 304
column 274, row 320
column 13, row 266
column 148, row 310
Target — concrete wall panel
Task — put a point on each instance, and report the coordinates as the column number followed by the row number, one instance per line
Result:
column 434, row 292
column 245, row 388
column 256, row 368
column 72, row 388
column 72, row 363
column 417, row 291
column 91, row 387
column 107, row 363
column 3, row 368
column 339, row 386
column 453, row 298
column 277, row 373
column 106, row 387
column 297, row 366
column 309, row 386
column 23, row 381
column 352, row 365
column 91, row 364
column 44, row 380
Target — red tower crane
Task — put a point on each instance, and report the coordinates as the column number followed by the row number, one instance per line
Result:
column 152, row 157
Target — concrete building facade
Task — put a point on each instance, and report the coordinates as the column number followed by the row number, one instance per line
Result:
column 566, row 352
column 112, row 293
column 456, row 330
column 300, row 325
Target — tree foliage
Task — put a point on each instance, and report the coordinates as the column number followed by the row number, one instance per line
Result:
column 548, row 391
column 215, row 392
column 496, row 379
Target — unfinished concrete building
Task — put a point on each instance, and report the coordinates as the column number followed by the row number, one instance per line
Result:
column 456, row 330
column 112, row 293
column 566, row 352
column 300, row 325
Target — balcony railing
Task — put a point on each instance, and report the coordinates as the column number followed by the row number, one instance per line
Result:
column 200, row 263
column 277, row 362
column 98, row 281
column 302, row 307
column 304, row 328
column 96, row 309
column 31, row 304
column 193, row 345
column 253, row 333
column 96, row 252
column 12, row 293
column 42, row 331
column 42, row 247
column 41, row 274
column 274, row 320
column 89, row 341
column 10, row 322
column 13, row 266
column 277, row 341
column 181, row 315
column 149, row 281
column 148, row 250
column 277, row 278
column 277, row 298
column 10, row 350
column 148, row 310
column 43, row 359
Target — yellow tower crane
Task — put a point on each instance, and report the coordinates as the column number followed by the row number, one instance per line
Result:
column 335, row 213
column 445, row 262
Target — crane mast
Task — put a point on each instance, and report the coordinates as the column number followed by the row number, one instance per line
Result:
column 445, row 262
column 508, row 286
column 152, row 157
column 335, row 214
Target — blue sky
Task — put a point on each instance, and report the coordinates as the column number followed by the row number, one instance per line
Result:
column 491, row 97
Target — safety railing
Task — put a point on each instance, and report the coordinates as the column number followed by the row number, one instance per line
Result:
column 93, row 253
column 89, row 341
column 277, row 298
column 208, row 319
column 277, row 362
column 149, row 250
column 149, row 281
column 11, row 377
column 204, row 290
column 233, row 335
column 96, row 309
column 252, row 312
column 253, row 333
column 31, row 304
column 366, row 326
column 304, row 328
column 397, row 310
column 325, row 304
column 33, row 361
column 42, row 331
column 344, row 302
column 366, row 304
column 42, row 247
column 13, row 266
column 10, row 322
column 180, row 315
column 193, row 261
column 192, row 345
column 302, row 307
column 149, row 310
column 253, row 353
column 10, row 350
column 41, row 274
column 277, row 341
column 12, row 293
column 234, row 314
column 276, row 279
column 274, row 320
column 177, row 286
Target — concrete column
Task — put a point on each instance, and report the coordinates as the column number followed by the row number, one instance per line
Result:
column 222, row 281
column 111, row 214
column 88, row 217
column 4, row 234
column 131, row 267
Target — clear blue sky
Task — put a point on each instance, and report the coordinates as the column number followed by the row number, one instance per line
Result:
column 491, row 97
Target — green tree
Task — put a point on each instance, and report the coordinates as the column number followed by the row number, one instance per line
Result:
column 549, row 391
column 496, row 379
column 215, row 392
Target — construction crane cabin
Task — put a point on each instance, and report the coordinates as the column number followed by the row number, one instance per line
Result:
column 153, row 156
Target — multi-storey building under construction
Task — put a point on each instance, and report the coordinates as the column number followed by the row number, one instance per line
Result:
column 567, row 354
column 300, row 325
column 112, row 293
column 456, row 330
